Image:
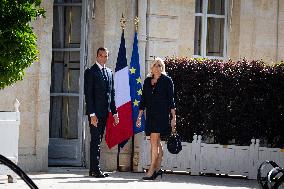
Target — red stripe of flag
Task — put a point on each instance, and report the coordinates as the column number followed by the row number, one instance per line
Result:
column 119, row 133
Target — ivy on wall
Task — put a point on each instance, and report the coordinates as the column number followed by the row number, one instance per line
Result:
column 17, row 40
column 229, row 102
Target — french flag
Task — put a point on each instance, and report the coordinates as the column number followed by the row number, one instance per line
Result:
column 116, row 134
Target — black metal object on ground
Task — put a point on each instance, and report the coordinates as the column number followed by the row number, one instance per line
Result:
column 273, row 179
column 18, row 171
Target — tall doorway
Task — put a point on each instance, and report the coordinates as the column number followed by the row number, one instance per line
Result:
column 66, row 91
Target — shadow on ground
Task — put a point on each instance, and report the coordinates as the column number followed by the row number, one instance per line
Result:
column 70, row 177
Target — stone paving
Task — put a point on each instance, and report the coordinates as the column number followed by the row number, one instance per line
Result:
column 76, row 178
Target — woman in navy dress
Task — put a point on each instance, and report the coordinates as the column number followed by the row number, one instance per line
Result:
column 158, row 101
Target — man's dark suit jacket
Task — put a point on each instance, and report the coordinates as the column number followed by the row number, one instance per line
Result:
column 99, row 95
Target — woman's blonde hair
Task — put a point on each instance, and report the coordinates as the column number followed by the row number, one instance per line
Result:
column 158, row 61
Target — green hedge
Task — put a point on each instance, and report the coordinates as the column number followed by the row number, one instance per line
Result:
column 229, row 102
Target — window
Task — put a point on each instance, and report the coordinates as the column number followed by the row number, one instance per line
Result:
column 210, row 28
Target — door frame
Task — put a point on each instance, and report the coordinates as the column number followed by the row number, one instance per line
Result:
column 80, row 160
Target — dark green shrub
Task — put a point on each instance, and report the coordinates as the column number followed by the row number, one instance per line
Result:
column 17, row 40
column 238, row 101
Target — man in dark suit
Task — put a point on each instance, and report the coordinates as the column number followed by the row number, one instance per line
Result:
column 99, row 95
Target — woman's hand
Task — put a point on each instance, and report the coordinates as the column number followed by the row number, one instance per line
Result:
column 138, row 122
column 173, row 125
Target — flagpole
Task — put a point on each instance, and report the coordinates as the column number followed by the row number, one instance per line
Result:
column 122, row 25
column 132, row 153
column 136, row 22
column 117, row 158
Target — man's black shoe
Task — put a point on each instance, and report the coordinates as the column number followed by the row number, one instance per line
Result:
column 98, row 175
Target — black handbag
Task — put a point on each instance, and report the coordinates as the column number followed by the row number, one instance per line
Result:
column 174, row 144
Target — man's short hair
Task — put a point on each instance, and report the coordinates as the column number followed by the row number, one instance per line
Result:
column 102, row 49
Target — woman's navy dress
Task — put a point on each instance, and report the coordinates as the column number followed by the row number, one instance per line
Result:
column 158, row 100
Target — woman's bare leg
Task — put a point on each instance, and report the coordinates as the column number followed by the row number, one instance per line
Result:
column 154, row 138
column 160, row 155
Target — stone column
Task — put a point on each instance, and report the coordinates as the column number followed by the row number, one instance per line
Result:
column 280, row 31
column 142, row 39
column 142, row 35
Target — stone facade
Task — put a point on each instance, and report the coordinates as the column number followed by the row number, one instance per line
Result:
column 33, row 94
column 255, row 31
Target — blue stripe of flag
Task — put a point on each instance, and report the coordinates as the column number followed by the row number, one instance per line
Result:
column 135, row 85
column 121, row 58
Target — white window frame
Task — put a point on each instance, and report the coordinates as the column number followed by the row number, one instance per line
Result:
column 204, row 17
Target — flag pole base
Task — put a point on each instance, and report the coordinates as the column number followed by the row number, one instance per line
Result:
column 123, row 168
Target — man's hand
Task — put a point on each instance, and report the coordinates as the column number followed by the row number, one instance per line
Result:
column 116, row 119
column 94, row 121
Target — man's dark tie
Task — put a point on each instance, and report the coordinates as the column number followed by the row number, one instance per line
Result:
column 104, row 74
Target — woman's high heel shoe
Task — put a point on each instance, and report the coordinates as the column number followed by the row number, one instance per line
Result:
column 152, row 177
column 160, row 172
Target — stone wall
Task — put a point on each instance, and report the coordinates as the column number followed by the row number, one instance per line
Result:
column 33, row 94
column 255, row 31
column 170, row 29
column 280, row 31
